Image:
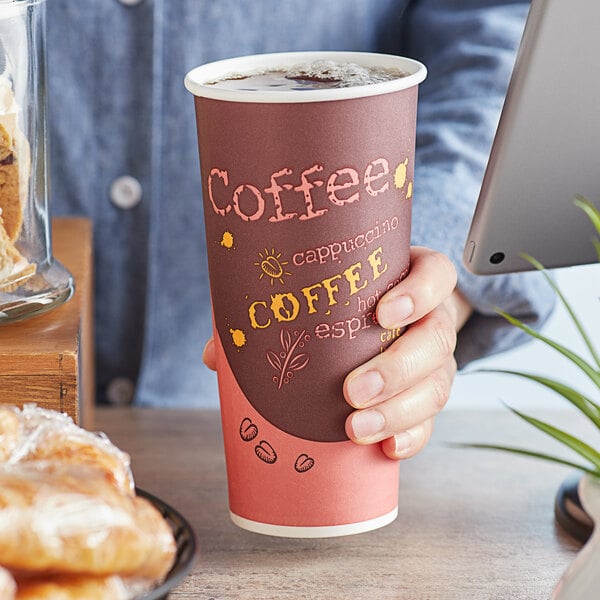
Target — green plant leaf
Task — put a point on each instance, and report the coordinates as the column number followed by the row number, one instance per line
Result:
column 572, row 356
column 563, row 437
column 597, row 246
column 588, row 342
column 533, row 454
column 586, row 405
column 590, row 210
column 594, row 215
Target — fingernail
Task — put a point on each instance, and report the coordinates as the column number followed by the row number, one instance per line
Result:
column 393, row 312
column 364, row 387
column 403, row 443
column 367, row 423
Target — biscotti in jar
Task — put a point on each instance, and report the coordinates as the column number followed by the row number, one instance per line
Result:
column 31, row 280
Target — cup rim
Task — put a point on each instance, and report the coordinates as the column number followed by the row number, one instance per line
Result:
column 196, row 79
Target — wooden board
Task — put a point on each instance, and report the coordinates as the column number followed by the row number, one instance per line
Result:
column 49, row 359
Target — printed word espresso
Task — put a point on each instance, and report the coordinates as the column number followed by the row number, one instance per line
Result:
column 342, row 186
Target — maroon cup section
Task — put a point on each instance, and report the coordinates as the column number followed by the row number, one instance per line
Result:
column 307, row 213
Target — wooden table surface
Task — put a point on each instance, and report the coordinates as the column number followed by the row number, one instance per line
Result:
column 472, row 524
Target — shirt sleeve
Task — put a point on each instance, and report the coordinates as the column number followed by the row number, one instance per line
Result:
column 469, row 49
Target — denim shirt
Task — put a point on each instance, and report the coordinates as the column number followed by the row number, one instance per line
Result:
column 118, row 107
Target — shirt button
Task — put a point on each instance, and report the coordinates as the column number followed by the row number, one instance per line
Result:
column 130, row 2
column 125, row 192
column 120, row 391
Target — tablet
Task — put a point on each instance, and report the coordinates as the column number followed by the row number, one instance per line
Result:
column 546, row 149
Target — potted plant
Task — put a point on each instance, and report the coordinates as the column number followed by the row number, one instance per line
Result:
column 581, row 581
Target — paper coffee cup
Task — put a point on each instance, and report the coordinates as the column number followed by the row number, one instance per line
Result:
column 307, row 199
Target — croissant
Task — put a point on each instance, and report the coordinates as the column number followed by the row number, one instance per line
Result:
column 66, row 518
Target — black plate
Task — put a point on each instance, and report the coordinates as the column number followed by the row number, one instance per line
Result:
column 569, row 511
column 186, row 548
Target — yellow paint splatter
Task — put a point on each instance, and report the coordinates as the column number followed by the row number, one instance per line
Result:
column 400, row 174
column 238, row 337
column 409, row 190
column 227, row 241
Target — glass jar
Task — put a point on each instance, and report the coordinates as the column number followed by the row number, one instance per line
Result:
column 31, row 280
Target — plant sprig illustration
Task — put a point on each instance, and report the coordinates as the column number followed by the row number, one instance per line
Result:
column 287, row 360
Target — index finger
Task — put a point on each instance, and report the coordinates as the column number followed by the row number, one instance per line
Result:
column 432, row 278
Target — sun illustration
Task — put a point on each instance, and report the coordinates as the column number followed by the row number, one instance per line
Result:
column 400, row 175
column 271, row 265
column 227, row 240
column 238, row 337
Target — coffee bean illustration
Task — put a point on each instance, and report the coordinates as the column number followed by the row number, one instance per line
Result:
column 248, row 430
column 304, row 463
column 272, row 267
column 265, row 452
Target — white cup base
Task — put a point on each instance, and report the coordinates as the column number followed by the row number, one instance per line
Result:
column 314, row 532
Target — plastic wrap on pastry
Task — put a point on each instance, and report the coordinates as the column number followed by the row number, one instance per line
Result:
column 9, row 432
column 43, row 434
column 7, row 585
column 66, row 518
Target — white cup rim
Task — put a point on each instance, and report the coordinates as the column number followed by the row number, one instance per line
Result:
column 196, row 80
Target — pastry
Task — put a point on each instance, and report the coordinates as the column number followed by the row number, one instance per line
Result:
column 14, row 267
column 71, row 525
column 69, row 517
column 66, row 518
column 50, row 435
column 15, row 169
column 15, row 161
column 10, row 201
column 73, row 587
